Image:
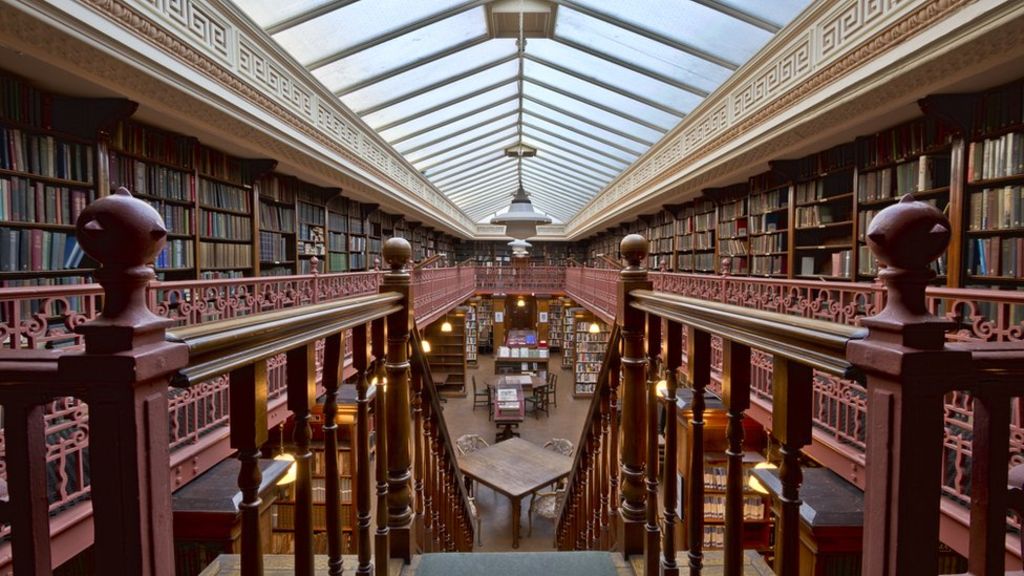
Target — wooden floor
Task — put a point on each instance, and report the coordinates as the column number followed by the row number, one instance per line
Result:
column 565, row 421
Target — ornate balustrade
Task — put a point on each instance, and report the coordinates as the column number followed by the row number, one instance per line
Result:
column 521, row 279
column 439, row 289
column 123, row 365
column 923, row 360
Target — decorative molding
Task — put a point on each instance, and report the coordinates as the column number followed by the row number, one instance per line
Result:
column 216, row 41
column 821, row 47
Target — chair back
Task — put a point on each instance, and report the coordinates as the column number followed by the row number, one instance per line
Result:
column 470, row 443
column 560, row 445
column 474, row 383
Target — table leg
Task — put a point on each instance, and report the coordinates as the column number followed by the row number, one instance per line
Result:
column 516, row 505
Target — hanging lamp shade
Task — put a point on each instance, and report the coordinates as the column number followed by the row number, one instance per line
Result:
column 521, row 220
column 519, row 245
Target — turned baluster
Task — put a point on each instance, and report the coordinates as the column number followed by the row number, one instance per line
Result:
column 332, row 374
column 301, row 379
column 791, row 405
column 698, row 353
column 417, row 439
column 428, row 478
column 438, row 482
column 736, row 398
column 594, row 484
column 382, row 537
column 989, row 479
column 26, row 475
column 604, row 542
column 652, row 532
column 673, row 360
column 614, row 379
column 360, row 362
column 248, row 401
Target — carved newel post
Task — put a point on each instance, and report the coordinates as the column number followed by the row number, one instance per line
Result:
column 397, row 254
column 124, row 373
column 908, row 370
column 633, row 395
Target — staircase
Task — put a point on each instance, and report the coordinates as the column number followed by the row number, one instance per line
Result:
column 519, row 564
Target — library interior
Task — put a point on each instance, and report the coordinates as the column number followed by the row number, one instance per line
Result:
column 602, row 287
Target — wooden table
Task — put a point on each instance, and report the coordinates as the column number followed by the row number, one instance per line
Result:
column 508, row 412
column 515, row 468
column 525, row 381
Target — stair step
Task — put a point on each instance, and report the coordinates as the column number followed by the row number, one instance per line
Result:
column 284, row 565
column 520, row 564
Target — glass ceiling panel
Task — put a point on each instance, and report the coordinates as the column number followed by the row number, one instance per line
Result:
column 453, row 91
column 446, row 114
column 507, row 111
column 613, row 74
column 478, row 176
column 535, row 110
column 595, row 93
column 588, row 111
column 504, row 138
column 568, row 156
column 563, row 178
column 270, row 12
column 778, row 12
column 392, row 54
column 352, row 25
column 688, row 22
column 499, row 143
column 543, row 125
column 468, row 173
column 637, row 50
column 570, row 146
column 466, row 138
column 572, row 173
column 458, row 164
column 429, row 73
column 506, row 180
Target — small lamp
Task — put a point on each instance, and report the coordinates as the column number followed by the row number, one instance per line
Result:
column 753, row 483
column 426, row 346
column 661, row 388
column 594, row 328
column 521, row 302
column 446, row 326
column 290, row 475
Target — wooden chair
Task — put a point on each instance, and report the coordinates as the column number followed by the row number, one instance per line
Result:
column 545, row 504
column 480, row 398
column 474, row 511
column 552, row 390
column 560, row 445
column 470, row 443
column 538, row 401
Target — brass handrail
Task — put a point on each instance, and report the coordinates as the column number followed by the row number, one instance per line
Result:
column 219, row 347
column 815, row 343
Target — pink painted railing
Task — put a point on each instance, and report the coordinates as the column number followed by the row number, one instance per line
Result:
column 520, row 279
column 840, row 405
column 45, row 317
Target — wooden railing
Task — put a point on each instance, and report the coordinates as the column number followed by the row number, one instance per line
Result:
column 906, row 367
column 518, row 279
column 125, row 368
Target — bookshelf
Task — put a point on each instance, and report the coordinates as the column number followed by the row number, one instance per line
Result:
column 569, row 334
column 277, row 243
column 768, row 225
column 703, row 243
column 556, row 329
column 994, row 246
column 48, row 174
column 732, row 227
column 683, row 230
column 589, row 353
column 823, row 216
column 485, row 324
column 312, row 227
column 447, row 355
column 661, row 231
column 912, row 158
column 472, row 334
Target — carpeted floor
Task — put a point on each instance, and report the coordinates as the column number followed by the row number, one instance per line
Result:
column 532, row 564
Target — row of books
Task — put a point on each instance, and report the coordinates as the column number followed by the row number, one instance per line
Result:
column 24, row 200
column 767, row 223
column 154, row 144
column 336, row 242
column 277, row 218
column 356, row 244
column 177, row 253
column 733, row 228
column 768, row 243
column 830, row 186
column 734, row 209
column 697, row 262
column 214, row 194
column 225, row 226
column 903, row 141
column 732, row 248
column 996, row 256
column 36, row 250
column 275, row 270
column 808, row 216
column 45, row 156
column 714, row 507
column 996, row 157
column 23, row 103
column 661, row 245
column 696, row 241
column 337, row 222
column 220, row 274
column 274, row 247
column 831, row 264
column 277, row 189
column 769, row 201
column 311, row 214
column 221, row 255
column 150, row 179
column 177, row 218
column 311, row 248
column 765, row 265
column 523, row 352
column 828, row 161
column 215, row 163
column 996, row 208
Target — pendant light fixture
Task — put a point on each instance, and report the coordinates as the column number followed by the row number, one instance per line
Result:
column 521, row 302
column 521, row 220
column 446, row 326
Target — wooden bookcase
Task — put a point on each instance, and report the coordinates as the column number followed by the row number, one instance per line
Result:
column 732, row 228
column 912, row 158
column 703, row 247
column 277, row 224
column 768, row 224
column 589, row 353
column 994, row 244
column 569, row 318
column 485, row 325
column 683, row 231
column 823, row 216
column 447, row 355
column 556, row 329
column 311, row 212
column 472, row 334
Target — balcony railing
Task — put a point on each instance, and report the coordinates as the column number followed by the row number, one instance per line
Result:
column 913, row 371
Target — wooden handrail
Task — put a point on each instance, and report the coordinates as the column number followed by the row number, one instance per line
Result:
column 816, row 343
